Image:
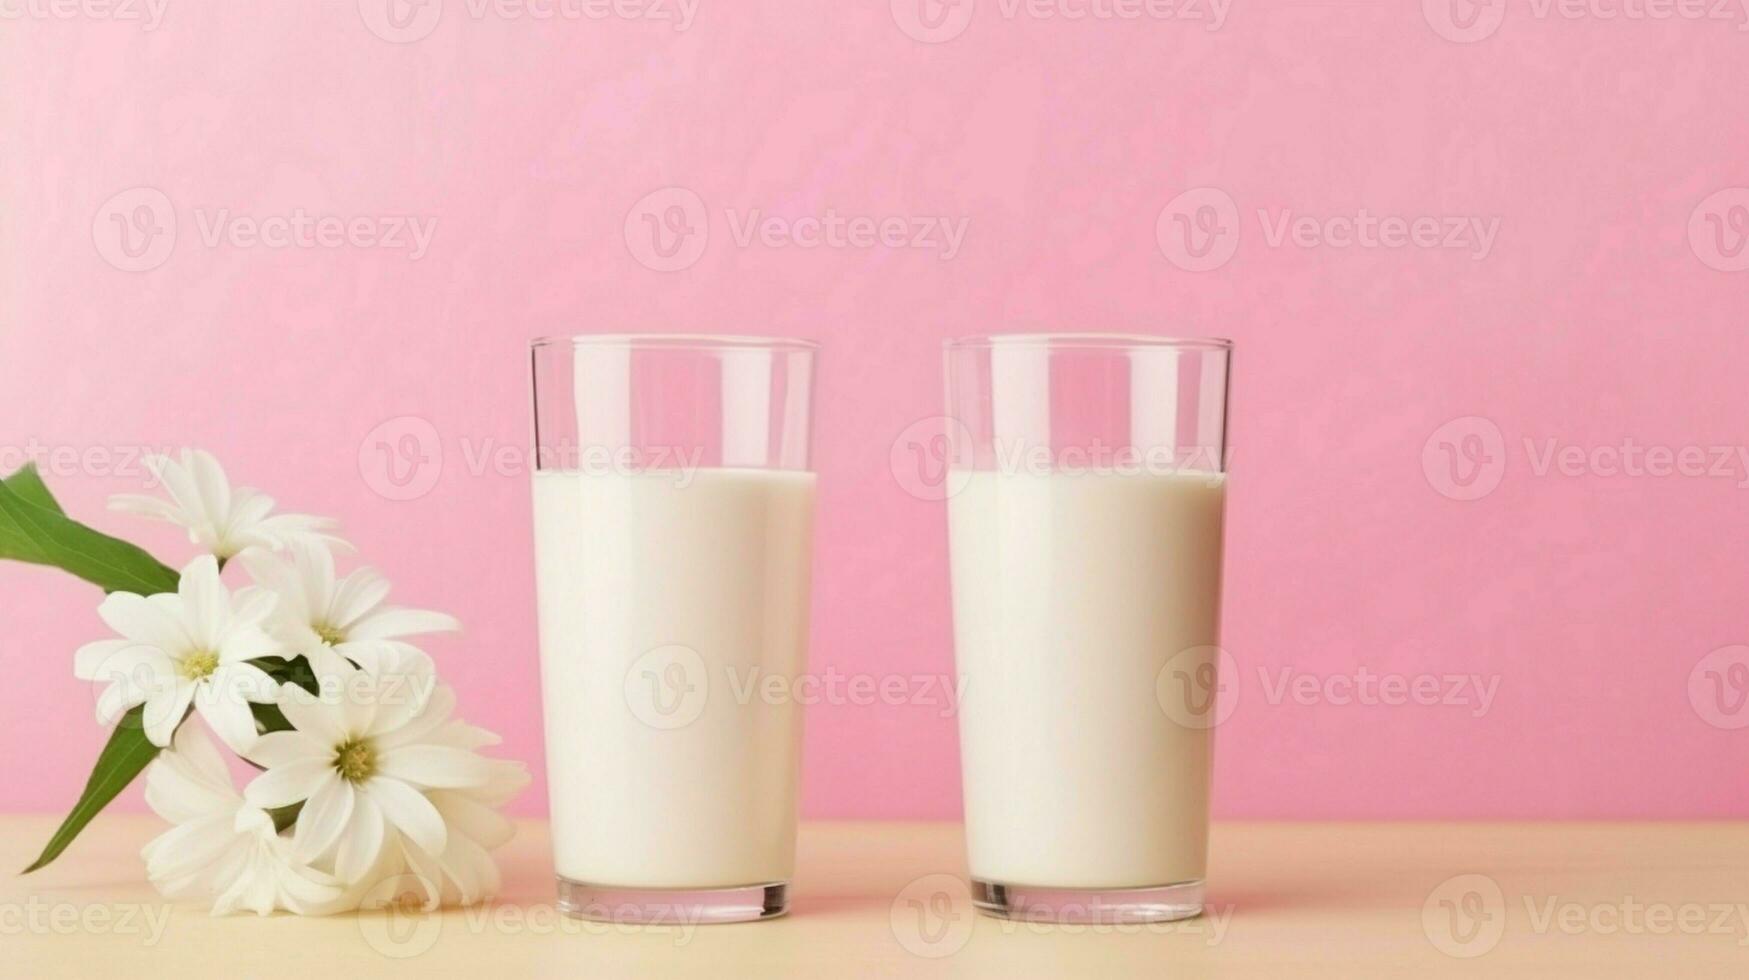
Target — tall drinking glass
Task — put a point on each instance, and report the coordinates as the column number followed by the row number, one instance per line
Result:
column 673, row 516
column 1087, row 487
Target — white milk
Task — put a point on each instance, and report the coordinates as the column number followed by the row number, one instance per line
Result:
column 661, row 595
column 1071, row 593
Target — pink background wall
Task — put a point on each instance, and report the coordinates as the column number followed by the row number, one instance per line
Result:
column 1608, row 305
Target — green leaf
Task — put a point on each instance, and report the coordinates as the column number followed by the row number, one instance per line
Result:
column 28, row 484
column 123, row 758
column 297, row 671
column 271, row 719
column 43, row 535
column 285, row 816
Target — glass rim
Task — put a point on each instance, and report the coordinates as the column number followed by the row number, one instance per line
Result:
column 1089, row 341
column 677, row 341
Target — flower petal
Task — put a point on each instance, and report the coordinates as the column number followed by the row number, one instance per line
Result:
column 208, row 480
column 288, row 530
column 436, row 712
column 315, row 568
column 435, row 767
column 188, row 850
column 138, row 504
column 276, row 749
column 316, row 717
column 252, row 606
column 356, row 595
column 329, row 665
column 251, row 643
column 409, row 811
column 400, row 697
column 323, row 819
column 88, row 659
column 144, row 621
column 468, row 817
column 206, row 602
column 241, row 682
column 389, row 623
column 115, row 700
column 288, row 784
column 122, row 662
column 361, row 843
column 230, row 720
column 165, row 710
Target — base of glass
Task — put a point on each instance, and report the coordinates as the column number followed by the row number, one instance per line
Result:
column 672, row 906
column 1028, row 903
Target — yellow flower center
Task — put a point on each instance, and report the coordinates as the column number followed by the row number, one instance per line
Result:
column 356, row 760
column 330, row 634
column 199, row 665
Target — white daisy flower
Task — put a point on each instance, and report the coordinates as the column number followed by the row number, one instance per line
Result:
column 465, row 873
column 220, row 848
column 362, row 759
column 337, row 624
column 220, row 519
column 190, row 647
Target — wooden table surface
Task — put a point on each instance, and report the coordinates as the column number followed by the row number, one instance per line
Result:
column 889, row 899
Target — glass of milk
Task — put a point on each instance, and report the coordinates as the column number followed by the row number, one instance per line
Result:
column 1086, row 487
column 673, row 515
